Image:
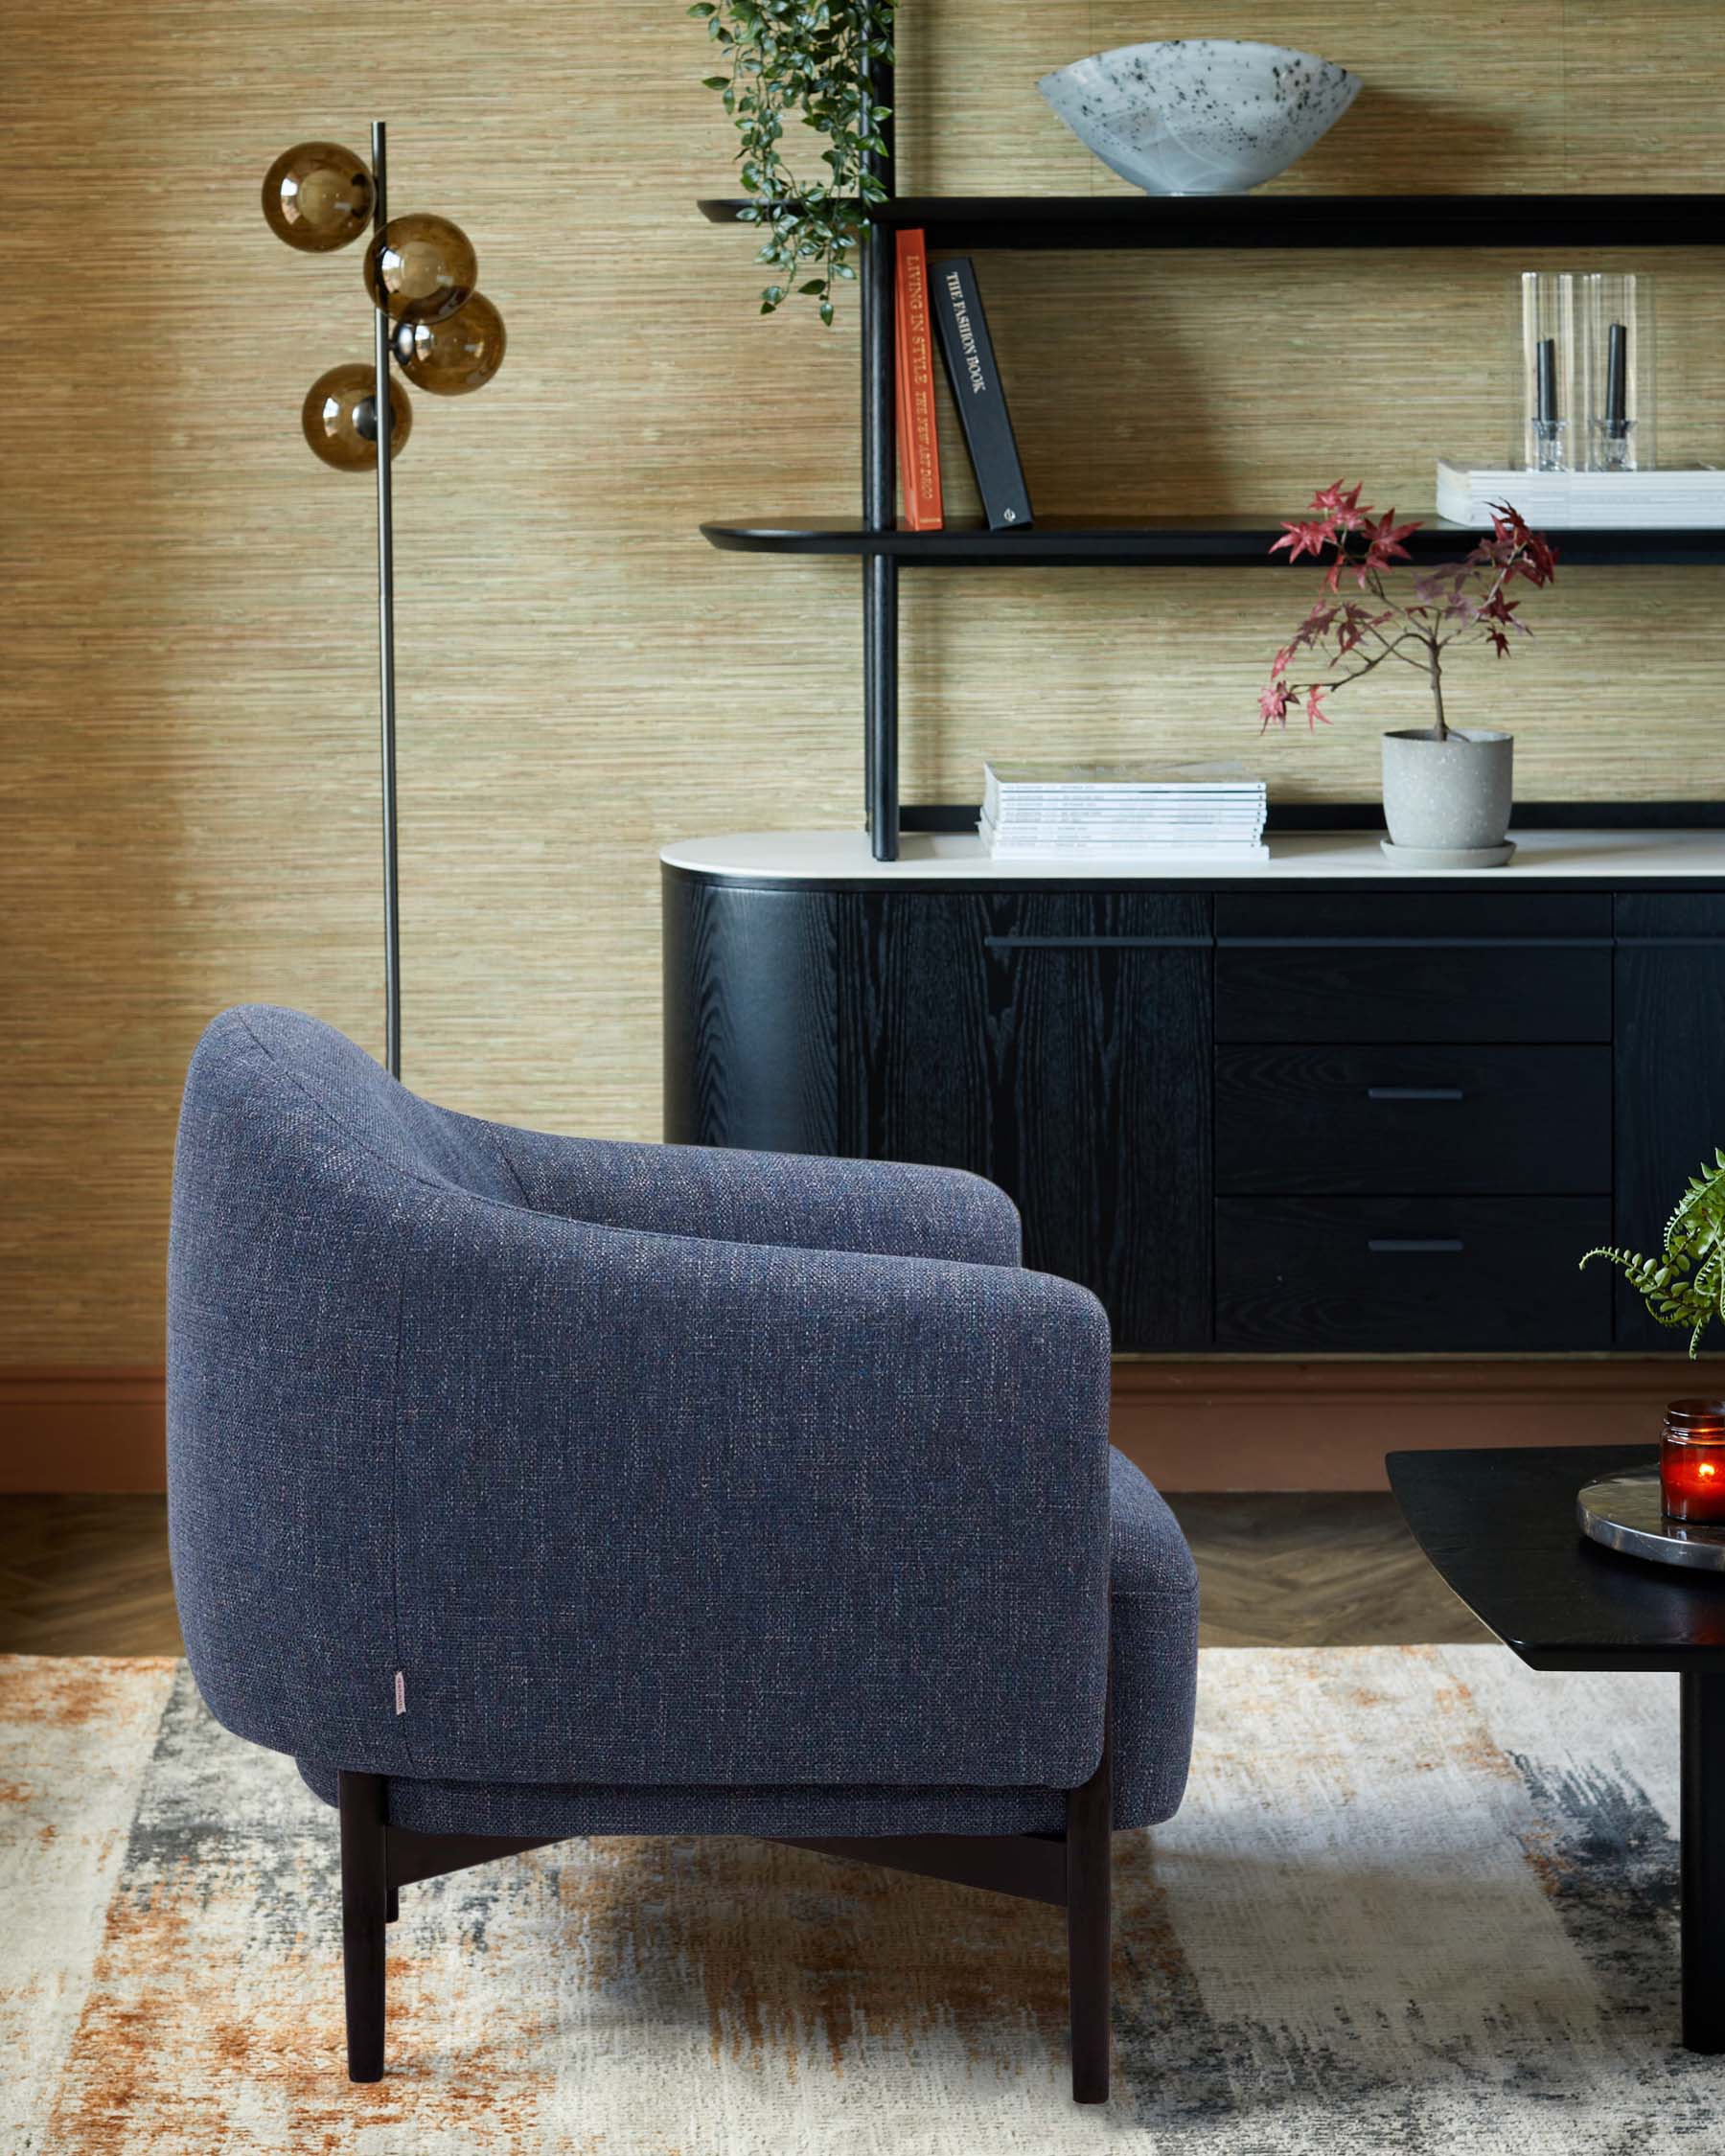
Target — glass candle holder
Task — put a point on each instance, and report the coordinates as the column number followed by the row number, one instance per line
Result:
column 1691, row 1462
column 1617, row 372
column 1544, row 438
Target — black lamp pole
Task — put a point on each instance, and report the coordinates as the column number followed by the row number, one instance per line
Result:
column 386, row 702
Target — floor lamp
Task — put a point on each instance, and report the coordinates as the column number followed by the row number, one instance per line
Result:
column 445, row 336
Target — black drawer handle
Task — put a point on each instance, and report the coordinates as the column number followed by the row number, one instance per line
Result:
column 1414, row 943
column 1095, row 943
column 1414, row 1092
column 1399, row 1246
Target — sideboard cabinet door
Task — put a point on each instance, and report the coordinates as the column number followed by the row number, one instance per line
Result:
column 1671, row 1077
column 1058, row 1044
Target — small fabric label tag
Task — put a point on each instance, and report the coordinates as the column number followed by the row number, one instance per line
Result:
column 400, row 1693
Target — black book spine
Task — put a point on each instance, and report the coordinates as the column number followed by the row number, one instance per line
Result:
column 970, row 362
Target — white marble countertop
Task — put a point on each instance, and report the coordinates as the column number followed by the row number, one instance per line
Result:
column 821, row 857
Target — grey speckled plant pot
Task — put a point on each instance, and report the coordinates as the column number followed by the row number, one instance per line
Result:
column 1454, row 793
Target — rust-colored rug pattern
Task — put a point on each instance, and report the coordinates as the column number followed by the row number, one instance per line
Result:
column 1419, row 1898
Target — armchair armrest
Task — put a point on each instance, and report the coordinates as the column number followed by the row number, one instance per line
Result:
column 1155, row 1589
column 803, row 1201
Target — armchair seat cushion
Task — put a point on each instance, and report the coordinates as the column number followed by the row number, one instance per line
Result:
column 1154, row 1587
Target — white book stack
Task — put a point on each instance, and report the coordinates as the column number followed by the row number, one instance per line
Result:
column 1190, row 812
column 1612, row 501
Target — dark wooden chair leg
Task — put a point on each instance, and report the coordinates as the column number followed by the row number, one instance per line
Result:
column 392, row 1909
column 365, row 1899
column 1089, row 1926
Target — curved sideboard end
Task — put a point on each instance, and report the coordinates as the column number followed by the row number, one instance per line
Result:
column 750, row 1018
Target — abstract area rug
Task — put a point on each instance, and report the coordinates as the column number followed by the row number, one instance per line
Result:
column 1419, row 1900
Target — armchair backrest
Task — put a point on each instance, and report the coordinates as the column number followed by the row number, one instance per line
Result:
column 296, row 1157
column 463, row 1489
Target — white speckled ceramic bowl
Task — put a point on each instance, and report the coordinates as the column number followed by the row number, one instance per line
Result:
column 1199, row 115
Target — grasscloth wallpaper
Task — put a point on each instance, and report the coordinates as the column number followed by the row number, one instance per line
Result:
column 187, row 677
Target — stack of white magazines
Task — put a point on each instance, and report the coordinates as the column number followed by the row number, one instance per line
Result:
column 1189, row 812
column 1622, row 501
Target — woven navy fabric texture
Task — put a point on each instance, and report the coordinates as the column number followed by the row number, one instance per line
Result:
column 777, row 1502
column 784, row 1197
column 1154, row 1594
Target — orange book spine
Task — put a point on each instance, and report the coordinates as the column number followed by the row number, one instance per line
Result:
column 900, row 388
column 900, row 401
column 919, row 446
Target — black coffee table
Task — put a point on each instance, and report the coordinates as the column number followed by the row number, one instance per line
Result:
column 1500, row 1526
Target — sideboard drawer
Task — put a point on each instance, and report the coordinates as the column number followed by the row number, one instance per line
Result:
column 1347, row 1275
column 1382, row 987
column 1489, row 908
column 1472, row 965
column 1400, row 1118
column 1684, row 918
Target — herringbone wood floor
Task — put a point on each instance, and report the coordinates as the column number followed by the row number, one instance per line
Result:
column 88, row 1575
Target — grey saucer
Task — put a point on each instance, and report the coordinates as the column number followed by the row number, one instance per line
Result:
column 1623, row 1511
column 1448, row 857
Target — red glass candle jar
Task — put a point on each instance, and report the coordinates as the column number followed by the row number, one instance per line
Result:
column 1692, row 1461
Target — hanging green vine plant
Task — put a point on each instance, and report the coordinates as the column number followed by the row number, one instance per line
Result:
column 789, row 59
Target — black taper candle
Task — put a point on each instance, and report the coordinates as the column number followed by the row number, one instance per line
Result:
column 1617, row 381
column 1548, row 381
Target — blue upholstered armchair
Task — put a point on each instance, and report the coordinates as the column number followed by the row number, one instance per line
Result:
column 527, row 1487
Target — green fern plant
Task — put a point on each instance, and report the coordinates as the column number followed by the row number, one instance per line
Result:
column 1686, row 1284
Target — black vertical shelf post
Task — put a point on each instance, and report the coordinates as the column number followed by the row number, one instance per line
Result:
column 880, row 460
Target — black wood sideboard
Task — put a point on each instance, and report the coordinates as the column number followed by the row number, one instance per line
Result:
column 1317, row 1107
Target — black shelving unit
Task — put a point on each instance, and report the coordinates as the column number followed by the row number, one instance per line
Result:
column 969, row 223
column 1077, row 223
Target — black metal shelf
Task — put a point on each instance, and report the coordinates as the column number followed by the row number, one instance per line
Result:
column 1080, row 221
column 1287, row 818
column 1183, row 542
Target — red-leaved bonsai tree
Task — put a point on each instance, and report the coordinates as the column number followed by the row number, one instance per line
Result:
column 1349, row 638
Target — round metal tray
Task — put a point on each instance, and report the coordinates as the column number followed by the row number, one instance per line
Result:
column 1623, row 1511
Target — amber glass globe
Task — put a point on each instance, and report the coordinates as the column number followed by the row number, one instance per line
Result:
column 420, row 268
column 317, row 195
column 339, row 416
column 460, row 352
